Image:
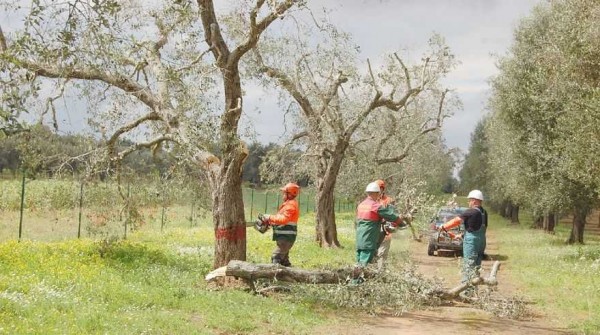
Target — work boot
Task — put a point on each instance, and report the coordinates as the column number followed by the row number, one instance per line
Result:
column 286, row 262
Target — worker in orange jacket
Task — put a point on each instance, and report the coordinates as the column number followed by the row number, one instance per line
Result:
column 285, row 224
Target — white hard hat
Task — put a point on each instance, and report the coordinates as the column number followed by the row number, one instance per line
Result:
column 373, row 187
column 475, row 194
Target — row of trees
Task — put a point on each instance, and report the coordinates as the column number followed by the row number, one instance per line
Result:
column 143, row 69
column 41, row 152
column 538, row 146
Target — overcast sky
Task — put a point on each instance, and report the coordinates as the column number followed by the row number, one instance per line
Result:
column 475, row 30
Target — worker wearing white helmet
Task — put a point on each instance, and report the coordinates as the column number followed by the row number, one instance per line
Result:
column 475, row 220
column 369, row 214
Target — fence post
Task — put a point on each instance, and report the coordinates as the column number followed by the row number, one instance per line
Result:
column 80, row 209
column 128, row 214
column 22, row 205
column 162, row 217
column 307, row 201
column 251, row 203
column 192, row 214
column 266, row 199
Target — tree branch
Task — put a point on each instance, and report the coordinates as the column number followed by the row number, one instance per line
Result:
column 326, row 109
column 88, row 73
column 50, row 105
column 406, row 73
column 389, row 134
column 286, row 82
column 299, row 136
column 194, row 62
column 3, row 46
column 152, row 116
column 424, row 130
column 377, row 89
column 212, row 32
column 141, row 145
column 373, row 104
column 257, row 28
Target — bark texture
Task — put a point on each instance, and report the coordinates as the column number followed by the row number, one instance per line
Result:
column 549, row 223
column 579, row 217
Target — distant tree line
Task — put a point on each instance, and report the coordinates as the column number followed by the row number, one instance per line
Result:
column 41, row 152
column 538, row 146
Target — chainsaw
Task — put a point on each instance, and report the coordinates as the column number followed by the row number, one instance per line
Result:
column 260, row 224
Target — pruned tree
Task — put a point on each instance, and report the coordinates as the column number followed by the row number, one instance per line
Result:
column 335, row 103
column 143, row 69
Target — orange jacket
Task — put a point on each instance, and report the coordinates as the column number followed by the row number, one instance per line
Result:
column 385, row 200
column 288, row 213
column 452, row 223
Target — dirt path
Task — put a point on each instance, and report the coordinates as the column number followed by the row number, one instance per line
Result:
column 456, row 318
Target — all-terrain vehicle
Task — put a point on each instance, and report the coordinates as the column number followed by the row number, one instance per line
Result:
column 446, row 240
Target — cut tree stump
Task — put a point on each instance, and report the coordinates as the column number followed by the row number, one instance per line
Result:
column 251, row 272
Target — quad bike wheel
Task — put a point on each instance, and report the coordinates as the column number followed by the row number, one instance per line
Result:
column 431, row 249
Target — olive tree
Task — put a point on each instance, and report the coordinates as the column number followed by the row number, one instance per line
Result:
column 145, row 69
column 547, row 97
column 335, row 99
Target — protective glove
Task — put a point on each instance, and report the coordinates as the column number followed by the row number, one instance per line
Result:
column 264, row 218
column 390, row 227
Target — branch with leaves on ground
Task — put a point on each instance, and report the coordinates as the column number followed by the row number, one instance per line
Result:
column 250, row 272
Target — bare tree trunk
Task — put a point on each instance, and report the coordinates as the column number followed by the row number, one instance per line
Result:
column 538, row 222
column 514, row 215
column 228, row 217
column 326, row 229
column 579, row 216
column 549, row 223
column 228, row 205
column 507, row 211
column 228, row 200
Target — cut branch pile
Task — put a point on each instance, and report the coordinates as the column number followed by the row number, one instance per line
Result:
column 251, row 272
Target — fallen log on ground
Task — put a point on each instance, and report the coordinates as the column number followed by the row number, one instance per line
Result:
column 251, row 272
column 489, row 281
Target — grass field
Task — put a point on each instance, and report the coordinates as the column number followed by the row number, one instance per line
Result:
column 152, row 283
column 563, row 280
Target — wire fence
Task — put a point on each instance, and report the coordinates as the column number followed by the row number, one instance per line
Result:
column 63, row 209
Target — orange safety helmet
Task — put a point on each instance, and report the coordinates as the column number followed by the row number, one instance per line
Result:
column 381, row 184
column 291, row 189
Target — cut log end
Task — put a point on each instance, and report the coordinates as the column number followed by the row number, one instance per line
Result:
column 490, row 281
column 216, row 273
